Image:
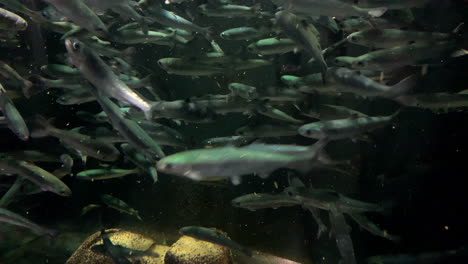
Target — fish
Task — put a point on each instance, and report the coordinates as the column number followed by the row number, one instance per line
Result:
column 9, row 217
column 272, row 46
column 104, row 174
column 326, row 112
column 13, row 117
column 444, row 256
column 342, row 236
column 303, row 34
column 243, row 33
column 389, row 4
column 86, row 145
column 40, row 177
column 242, row 90
column 213, row 236
column 231, row 162
column 113, row 250
column 333, row 8
column 236, row 141
column 119, row 205
column 140, row 160
column 257, row 201
column 11, row 21
column 89, row 208
column 326, row 199
column 368, row 225
column 95, row 70
column 230, row 10
column 78, row 12
column 345, row 128
column 118, row 251
column 11, row 74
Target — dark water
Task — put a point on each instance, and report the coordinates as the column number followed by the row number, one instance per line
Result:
column 418, row 163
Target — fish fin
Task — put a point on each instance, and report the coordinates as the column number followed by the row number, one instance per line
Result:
column 236, row 180
column 405, row 85
column 377, row 12
column 153, row 173
column 43, row 127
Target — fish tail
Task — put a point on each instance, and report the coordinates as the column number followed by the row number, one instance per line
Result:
column 43, row 127
column 376, row 12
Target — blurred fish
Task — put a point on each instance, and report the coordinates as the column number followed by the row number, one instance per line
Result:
column 8, row 72
column 104, row 174
column 446, row 256
column 11, row 21
column 236, row 141
column 13, row 118
column 88, row 208
column 119, row 205
column 272, row 46
column 334, row 8
column 141, row 161
column 230, row 10
column 86, row 145
column 42, row 178
column 245, row 91
column 213, row 236
column 256, row 201
column 243, row 33
column 390, row 4
column 11, row 218
column 344, row 128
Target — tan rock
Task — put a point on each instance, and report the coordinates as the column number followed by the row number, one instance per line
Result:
column 84, row 254
column 188, row 250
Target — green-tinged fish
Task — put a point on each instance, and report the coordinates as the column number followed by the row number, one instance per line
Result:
column 333, row 8
column 342, row 233
column 347, row 80
column 113, row 251
column 78, row 12
column 189, row 68
column 13, row 118
column 10, row 74
column 267, row 130
column 232, row 162
column 75, row 97
column 230, row 10
column 88, row 208
column 326, row 112
column 95, row 70
column 132, row 36
column 9, row 196
column 8, row 217
column 257, row 201
column 328, row 200
column 243, row 33
column 345, row 128
column 368, row 225
column 171, row 19
column 213, row 236
column 17, row 6
column 11, row 21
column 272, row 46
column 390, row 4
column 86, row 145
column 412, row 54
column 236, row 141
column 304, row 35
column 33, row 156
column 270, row 111
column 60, row 71
column 390, row 38
column 141, row 161
column 447, row 256
column 440, row 101
column 128, row 128
column 351, row 25
column 119, row 205
column 104, row 174
column 42, row 178
column 242, row 90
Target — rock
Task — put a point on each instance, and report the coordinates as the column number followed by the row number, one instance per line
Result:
column 188, row 250
column 85, row 255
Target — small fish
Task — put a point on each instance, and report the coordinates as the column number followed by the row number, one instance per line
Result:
column 245, row 91
column 112, row 250
column 78, row 12
column 304, row 35
column 13, row 118
column 139, row 159
column 7, row 216
column 390, row 4
column 104, row 174
column 344, row 128
column 42, row 178
column 11, row 21
column 89, row 208
column 272, row 46
column 342, row 232
column 236, row 141
column 326, row 112
column 213, row 236
column 257, row 201
column 11, row 74
column 368, row 225
column 119, row 205
column 243, row 33
column 446, row 256
column 333, row 8
column 230, row 10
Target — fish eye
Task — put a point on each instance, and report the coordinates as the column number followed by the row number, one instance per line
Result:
column 76, row 45
column 360, row 64
column 169, row 166
column 308, row 132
